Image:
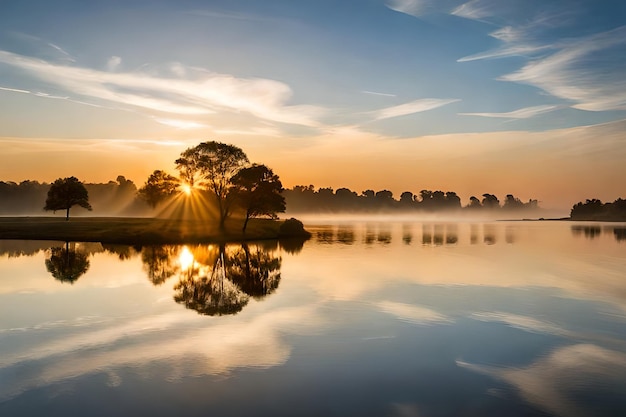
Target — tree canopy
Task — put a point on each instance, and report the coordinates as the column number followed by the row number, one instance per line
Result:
column 65, row 193
column 258, row 191
column 158, row 188
column 211, row 165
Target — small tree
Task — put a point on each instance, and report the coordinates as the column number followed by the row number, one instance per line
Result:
column 257, row 190
column 159, row 187
column 65, row 193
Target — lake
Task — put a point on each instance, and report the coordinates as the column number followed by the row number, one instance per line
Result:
column 368, row 318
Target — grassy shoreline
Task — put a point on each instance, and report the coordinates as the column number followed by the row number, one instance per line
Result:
column 138, row 230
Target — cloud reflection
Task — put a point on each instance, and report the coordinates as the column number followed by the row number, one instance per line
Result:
column 412, row 313
column 555, row 382
column 217, row 348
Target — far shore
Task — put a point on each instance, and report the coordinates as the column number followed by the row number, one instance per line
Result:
column 138, row 230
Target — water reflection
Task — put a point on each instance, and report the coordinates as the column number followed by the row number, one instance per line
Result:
column 407, row 234
column 452, row 234
column 123, row 252
column 66, row 263
column 216, row 280
column 427, row 237
column 17, row 248
column 489, row 234
column 212, row 294
column 158, row 262
column 595, row 231
column 432, row 234
column 473, row 234
column 589, row 232
column 532, row 324
column 345, row 235
column 211, row 279
column 384, row 234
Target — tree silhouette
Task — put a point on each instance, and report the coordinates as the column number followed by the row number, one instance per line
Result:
column 158, row 188
column 65, row 193
column 474, row 203
column 212, row 165
column 257, row 190
column 490, row 201
column 66, row 264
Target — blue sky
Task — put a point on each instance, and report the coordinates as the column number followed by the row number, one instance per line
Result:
column 287, row 73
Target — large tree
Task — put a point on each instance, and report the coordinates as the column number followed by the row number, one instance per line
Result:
column 159, row 187
column 65, row 193
column 258, row 191
column 211, row 165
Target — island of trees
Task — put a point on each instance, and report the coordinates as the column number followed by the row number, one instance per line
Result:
column 595, row 210
column 215, row 182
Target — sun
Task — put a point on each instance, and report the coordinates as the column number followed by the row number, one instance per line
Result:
column 186, row 189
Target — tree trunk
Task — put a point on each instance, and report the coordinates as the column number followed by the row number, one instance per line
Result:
column 67, row 214
column 220, row 207
column 245, row 223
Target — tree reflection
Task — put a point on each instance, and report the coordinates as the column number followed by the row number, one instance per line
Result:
column 66, row 264
column 218, row 281
column 407, row 235
column 452, row 236
column 345, row 235
column 292, row 245
column 123, row 252
column 159, row 262
column 590, row 232
column 211, row 295
column 255, row 271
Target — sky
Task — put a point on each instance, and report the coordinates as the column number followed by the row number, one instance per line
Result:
column 483, row 96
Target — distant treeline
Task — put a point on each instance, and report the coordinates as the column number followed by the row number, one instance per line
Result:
column 117, row 197
column 120, row 197
column 595, row 210
column 305, row 199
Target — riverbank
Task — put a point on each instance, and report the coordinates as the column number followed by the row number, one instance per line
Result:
column 139, row 230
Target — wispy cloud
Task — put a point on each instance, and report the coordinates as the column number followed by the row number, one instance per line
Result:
column 585, row 72
column 419, row 8
column 524, row 113
column 416, row 106
column 410, row 7
column 474, row 9
column 180, row 124
column 15, row 90
column 517, row 50
column 66, row 54
column 374, row 93
column 205, row 93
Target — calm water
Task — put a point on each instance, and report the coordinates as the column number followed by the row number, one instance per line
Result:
column 366, row 319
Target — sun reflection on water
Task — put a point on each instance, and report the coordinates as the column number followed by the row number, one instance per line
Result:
column 185, row 259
